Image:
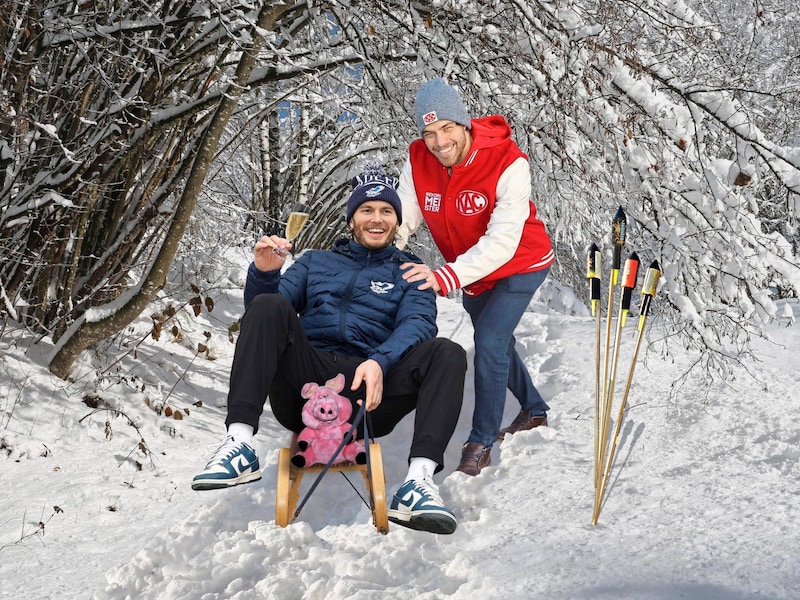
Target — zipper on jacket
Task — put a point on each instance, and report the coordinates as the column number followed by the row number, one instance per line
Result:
column 346, row 301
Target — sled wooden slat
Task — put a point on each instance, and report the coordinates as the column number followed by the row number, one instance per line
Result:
column 287, row 491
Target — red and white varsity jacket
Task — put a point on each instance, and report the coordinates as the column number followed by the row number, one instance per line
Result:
column 480, row 215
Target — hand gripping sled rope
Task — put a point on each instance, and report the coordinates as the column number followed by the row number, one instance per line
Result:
column 287, row 491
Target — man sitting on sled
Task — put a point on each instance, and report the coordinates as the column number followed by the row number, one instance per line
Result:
column 347, row 310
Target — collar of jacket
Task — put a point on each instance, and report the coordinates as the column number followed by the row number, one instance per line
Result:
column 357, row 251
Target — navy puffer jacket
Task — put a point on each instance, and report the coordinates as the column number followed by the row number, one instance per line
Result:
column 353, row 301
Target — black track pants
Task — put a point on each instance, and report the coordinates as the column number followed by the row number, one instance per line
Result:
column 274, row 359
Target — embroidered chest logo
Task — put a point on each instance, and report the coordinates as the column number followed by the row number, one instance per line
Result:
column 380, row 287
column 469, row 203
column 433, row 202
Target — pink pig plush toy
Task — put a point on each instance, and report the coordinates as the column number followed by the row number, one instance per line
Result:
column 325, row 416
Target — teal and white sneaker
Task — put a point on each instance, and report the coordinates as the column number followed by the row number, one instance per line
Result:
column 417, row 505
column 232, row 463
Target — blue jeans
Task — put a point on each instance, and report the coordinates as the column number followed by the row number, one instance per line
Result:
column 495, row 315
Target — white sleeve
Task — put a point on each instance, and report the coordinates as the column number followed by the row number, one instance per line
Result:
column 412, row 215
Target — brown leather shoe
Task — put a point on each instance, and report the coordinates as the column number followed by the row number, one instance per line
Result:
column 474, row 457
column 523, row 422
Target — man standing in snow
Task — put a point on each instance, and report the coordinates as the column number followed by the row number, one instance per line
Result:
column 348, row 310
column 471, row 184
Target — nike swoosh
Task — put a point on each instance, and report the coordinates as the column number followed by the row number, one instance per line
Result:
column 411, row 498
column 242, row 466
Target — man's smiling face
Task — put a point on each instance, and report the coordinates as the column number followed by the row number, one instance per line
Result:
column 448, row 141
column 374, row 224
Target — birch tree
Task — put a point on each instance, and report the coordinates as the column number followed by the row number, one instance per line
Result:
column 656, row 108
column 676, row 115
column 110, row 116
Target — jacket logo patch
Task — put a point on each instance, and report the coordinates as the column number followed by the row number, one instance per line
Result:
column 433, row 202
column 380, row 287
column 469, row 203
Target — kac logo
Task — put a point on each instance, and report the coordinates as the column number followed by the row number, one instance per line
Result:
column 470, row 203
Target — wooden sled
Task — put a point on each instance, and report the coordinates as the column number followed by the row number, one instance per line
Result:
column 287, row 491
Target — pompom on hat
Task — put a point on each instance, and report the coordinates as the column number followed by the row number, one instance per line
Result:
column 374, row 184
column 437, row 101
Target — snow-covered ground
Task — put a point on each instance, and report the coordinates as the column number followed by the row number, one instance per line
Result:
column 703, row 501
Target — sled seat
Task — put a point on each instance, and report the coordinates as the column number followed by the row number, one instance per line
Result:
column 287, row 491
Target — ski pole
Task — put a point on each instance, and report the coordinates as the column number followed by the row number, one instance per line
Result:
column 628, row 283
column 618, row 234
column 648, row 291
column 593, row 274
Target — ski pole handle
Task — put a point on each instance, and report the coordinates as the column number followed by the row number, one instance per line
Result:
column 628, row 282
column 649, row 288
column 618, row 234
column 593, row 271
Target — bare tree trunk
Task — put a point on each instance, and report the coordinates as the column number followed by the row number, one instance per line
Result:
column 273, row 193
column 262, row 192
column 305, row 152
column 85, row 333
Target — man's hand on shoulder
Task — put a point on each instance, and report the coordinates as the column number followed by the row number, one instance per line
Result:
column 416, row 272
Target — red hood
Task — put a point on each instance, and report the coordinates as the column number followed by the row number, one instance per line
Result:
column 489, row 131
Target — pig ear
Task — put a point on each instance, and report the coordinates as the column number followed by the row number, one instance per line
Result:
column 336, row 384
column 309, row 389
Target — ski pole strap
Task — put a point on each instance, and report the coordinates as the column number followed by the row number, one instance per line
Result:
column 361, row 414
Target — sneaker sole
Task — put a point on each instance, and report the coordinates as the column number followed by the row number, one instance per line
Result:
column 440, row 524
column 217, row 484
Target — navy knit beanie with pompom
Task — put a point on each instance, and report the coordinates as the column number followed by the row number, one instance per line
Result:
column 374, row 184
